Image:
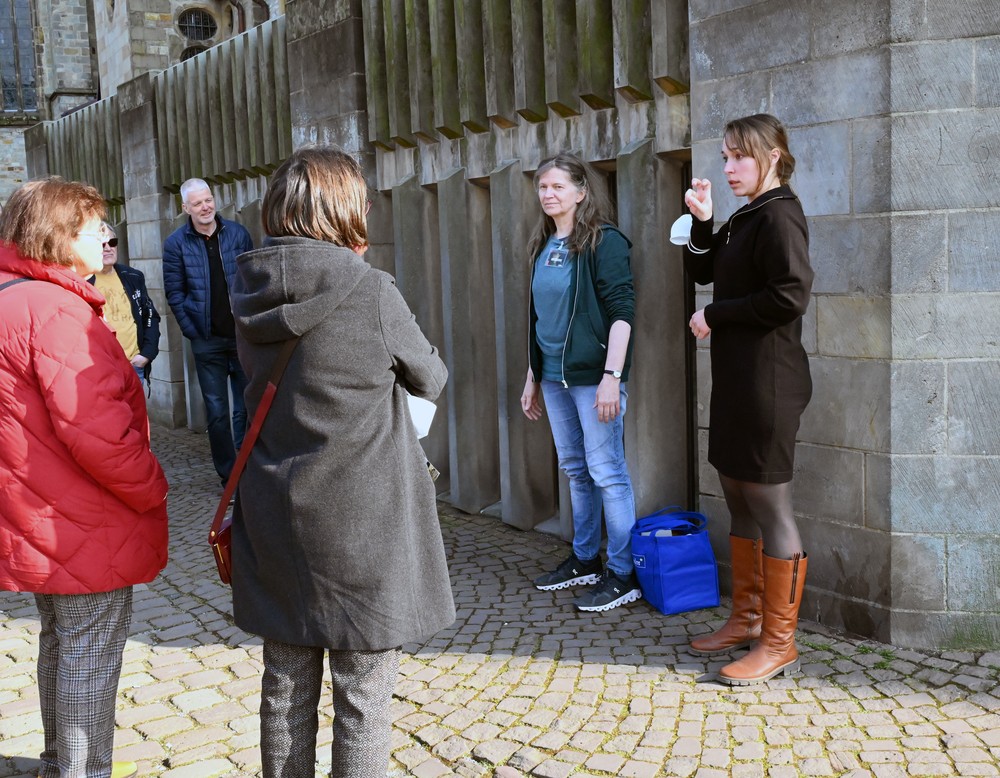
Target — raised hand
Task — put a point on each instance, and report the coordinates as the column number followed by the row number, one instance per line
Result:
column 698, row 199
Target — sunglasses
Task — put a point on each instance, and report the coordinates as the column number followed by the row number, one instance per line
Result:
column 113, row 242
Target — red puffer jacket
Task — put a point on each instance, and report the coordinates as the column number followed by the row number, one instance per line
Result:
column 82, row 498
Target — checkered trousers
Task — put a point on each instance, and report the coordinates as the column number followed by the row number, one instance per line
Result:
column 363, row 683
column 79, row 662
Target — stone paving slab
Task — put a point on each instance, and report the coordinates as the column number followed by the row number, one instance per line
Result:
column 520, row 680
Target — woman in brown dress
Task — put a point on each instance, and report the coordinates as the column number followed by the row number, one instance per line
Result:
column 759, row 265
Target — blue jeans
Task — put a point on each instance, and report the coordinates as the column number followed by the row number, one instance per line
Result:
column 592, row 454
column 216, row 363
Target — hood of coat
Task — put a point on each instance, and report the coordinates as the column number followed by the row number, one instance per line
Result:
column 13, row 263
column 289, row 285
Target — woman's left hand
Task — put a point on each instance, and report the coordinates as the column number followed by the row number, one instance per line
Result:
column 699, row 328
column 608, row 399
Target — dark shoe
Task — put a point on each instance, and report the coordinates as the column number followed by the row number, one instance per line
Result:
column 572, row 572
column 610, row 592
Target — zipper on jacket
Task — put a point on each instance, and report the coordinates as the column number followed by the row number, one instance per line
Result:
column 729, row 224
column 569, row 328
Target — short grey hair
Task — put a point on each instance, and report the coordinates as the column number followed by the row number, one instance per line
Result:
column 193, row 185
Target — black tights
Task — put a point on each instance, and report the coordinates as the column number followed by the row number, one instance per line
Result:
column 763, row 511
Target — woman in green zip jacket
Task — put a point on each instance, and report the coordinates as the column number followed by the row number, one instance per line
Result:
column 582, row 306
column 759, row 265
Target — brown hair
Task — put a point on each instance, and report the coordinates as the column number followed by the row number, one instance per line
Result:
column 318, row 192
column 42, row 218
column 593, row 211
column 756, row 136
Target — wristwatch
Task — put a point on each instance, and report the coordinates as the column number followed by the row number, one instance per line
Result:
column 614, row 373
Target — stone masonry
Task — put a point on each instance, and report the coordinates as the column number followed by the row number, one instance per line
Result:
column 892, row 110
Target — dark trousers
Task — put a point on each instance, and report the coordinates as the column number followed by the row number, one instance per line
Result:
column 363, row 683
column 79, row 662
column 218, row 366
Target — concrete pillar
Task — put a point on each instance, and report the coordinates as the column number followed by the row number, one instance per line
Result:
column 147, row 209
column 527, row 456
column 470, row 342
column 656, row 423
column 418, row 276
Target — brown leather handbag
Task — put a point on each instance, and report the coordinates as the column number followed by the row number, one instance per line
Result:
column 220, row 536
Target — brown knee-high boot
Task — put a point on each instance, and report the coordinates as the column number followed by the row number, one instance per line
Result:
column 775, row 652
column 743, row 625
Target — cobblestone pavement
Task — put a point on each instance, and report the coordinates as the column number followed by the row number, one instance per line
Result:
column 521, row 680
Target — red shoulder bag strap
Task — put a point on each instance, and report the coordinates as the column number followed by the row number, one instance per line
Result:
column 251, row 436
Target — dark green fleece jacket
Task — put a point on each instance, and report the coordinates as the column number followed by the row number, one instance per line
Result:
column 602, row 294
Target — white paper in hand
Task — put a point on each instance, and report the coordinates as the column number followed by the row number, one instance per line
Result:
column 422, row 412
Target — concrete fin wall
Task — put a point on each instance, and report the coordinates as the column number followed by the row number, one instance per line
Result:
column 224, row 115
column 86, row 146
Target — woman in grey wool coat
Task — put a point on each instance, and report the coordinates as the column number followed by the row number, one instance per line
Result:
column 336, row 541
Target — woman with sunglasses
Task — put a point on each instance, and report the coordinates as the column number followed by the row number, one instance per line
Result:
column 128, row 307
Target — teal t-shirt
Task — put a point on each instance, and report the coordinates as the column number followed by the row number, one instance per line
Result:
column 552, row 290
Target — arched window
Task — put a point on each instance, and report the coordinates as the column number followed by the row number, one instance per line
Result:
column 197, row 25
column 261, row 13
column 17, row 58
column 192, row 51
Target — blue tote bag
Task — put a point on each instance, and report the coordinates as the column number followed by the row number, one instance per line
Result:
column 674, row 561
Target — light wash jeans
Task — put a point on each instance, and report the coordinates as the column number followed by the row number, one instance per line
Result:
column 592, row 454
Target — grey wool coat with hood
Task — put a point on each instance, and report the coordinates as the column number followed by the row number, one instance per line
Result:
column 336, row 540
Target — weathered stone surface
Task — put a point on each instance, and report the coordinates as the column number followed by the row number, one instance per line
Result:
column 971, row 19
column 919, row 419
column 951, row 630
column 928, row 554
column 974, row 251
column 974, row 408
column 973, row 568
column 306, row 17
column 850, row 404
column 728, row 98
column 829, row 483
column 942, row 494
column 933, row 76
column 878, row 491
column 955, row 149
column 632, row 48
column 872, row 172
column 757, row 25
column 857, row 327
column 813, row 92
column 928, row 326
column 854, row 564
column 848, row 26
column 850, row 255
column 920, row 248
column 988, row 72
column 821, row 180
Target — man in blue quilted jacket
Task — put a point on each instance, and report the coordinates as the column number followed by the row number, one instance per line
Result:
column 199, row 262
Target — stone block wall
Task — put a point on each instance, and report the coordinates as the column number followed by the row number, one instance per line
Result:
column 892, row 110
column 12, row 160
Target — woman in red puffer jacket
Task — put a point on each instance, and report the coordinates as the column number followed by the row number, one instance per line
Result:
column 82, row 498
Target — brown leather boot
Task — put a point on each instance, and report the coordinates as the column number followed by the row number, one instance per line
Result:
column 775, row 652
column 743, row 625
